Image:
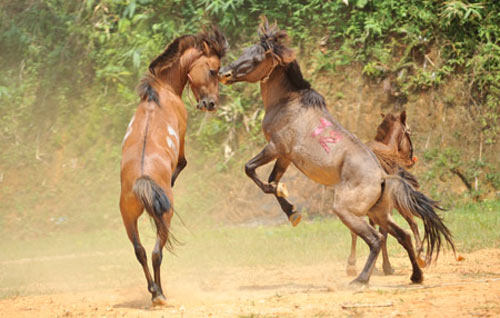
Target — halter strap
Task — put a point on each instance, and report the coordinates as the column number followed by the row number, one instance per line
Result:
column 276, row 62
column 190, row 80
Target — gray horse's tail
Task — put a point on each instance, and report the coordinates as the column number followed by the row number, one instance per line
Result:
column 156, row 203
column 410, row 178
column 406, row 198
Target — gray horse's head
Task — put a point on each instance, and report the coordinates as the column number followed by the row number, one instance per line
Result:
column 258, row 61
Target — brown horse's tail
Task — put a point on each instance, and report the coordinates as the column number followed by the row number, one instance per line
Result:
column 156, row 203
column 406, row 198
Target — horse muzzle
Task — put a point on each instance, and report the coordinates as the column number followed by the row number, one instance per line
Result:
column 207, row 103
column 226, row 76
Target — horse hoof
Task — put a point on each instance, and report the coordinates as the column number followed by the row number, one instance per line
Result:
column 159, row 301
column 421, row 263
column 417, row 278
column 281, row 190
column 358, row 283
column 388, row 271
column 295, row 218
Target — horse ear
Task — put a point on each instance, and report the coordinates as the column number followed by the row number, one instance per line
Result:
column 263, row 27
column 402, row 117
column 382, row 114
column 205, row 47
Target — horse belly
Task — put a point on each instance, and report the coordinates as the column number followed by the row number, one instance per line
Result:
column 322, row 168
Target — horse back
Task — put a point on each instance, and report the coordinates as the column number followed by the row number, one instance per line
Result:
column 152, row 142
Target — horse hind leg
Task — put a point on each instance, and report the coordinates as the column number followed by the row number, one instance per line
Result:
column 374, row 241
column 130, row 216
column 418, row 241
column 157, row 257
column 140, row 253
column 404, row 238
column 352, row 212
column 386, row 264
column 351, row 261
column 181, row 164
column 361, row 228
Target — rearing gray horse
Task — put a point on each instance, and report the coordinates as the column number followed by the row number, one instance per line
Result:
column 300, row 130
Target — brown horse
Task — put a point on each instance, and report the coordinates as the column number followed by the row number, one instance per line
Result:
column 394, row 149
column 153, row 146
column 300, row 130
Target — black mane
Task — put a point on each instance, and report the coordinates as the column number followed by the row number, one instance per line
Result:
column 309, row 97
column 271, row 38
column 146, row 90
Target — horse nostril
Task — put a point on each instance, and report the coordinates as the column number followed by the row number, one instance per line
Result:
column 211, row 106
column 227, row 74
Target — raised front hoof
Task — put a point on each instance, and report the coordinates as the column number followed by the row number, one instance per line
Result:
column 417, row 278
column 159, row 301
column 351, row 270
column 295, row 218
column 281, row 190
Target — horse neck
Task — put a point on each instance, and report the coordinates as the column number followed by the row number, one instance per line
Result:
column 176, row 76
column 275, row 89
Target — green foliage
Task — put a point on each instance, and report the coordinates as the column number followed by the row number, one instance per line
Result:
column 449, row 162
column 68, row 69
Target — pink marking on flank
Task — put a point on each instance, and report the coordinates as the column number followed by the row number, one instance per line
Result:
column 323, row 124
column 333, row 138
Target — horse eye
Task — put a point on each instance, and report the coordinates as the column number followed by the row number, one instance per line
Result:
column 213, row 72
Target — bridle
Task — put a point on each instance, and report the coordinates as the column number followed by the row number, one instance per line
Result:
column 276, row 61
column 407, row 133
column 266, row 78
column 190, row 80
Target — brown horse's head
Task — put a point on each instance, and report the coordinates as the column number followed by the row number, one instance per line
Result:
column 202, row 74
column 395, row 131
column 199, row 60
column 258, row 61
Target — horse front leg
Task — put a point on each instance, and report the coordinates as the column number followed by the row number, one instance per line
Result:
column 181, row 164
column 274, row 178
column 268, row 154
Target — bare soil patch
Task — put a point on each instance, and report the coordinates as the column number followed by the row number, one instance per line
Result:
column 469, row 288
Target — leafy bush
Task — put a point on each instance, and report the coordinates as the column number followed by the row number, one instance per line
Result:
column 68, row 69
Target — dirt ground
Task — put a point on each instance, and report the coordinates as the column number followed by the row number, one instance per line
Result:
column 469, row 288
